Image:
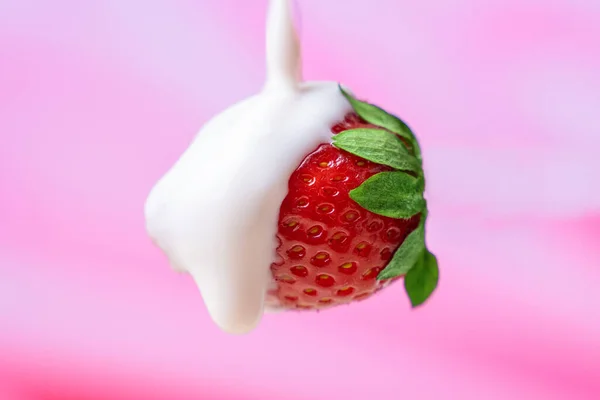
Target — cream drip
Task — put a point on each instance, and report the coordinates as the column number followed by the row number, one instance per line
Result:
column 214, row 213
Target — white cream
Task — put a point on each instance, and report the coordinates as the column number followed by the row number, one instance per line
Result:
column 215, row 212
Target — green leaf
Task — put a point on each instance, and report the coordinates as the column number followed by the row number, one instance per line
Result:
column 391, row 194
column 377, row 116
column 422, row 279
column 379, row 146
column 424, row 216
column 406, row 256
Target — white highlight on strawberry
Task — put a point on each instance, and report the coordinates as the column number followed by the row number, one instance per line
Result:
column 215, row 212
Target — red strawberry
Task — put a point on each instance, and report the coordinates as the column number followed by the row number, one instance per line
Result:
column 332, row 250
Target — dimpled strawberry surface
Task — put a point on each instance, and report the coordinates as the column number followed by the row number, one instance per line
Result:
column 331, row 250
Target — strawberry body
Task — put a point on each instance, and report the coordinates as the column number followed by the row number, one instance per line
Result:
column 331, row 249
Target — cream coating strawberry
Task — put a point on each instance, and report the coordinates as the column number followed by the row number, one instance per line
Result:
column 223, row 211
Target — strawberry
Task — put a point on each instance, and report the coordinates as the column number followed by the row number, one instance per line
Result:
column 354, row 217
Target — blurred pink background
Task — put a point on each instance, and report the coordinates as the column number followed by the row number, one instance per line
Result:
column 99, row 98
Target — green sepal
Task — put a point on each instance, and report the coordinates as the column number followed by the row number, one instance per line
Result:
column 404, row 259
column 377, row 116
column 379, row 146
column 391, row 194
column 422, row 279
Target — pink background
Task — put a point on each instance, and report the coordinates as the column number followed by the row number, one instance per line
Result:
column 98, row 98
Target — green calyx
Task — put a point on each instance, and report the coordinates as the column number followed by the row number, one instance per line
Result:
column 395, row 194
